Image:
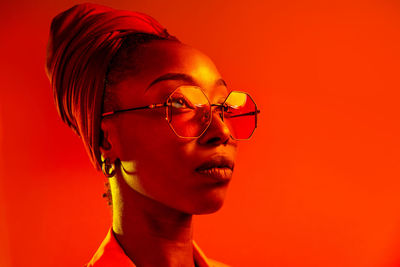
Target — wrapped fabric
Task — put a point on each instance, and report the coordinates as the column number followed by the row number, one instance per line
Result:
column 82, row 42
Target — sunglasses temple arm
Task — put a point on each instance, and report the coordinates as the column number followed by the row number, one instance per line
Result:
column 131, row 109
column 246, row 114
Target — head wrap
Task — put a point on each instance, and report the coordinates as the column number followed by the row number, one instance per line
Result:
column 82, row 42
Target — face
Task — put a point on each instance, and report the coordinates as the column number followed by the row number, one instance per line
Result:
column 189, row 175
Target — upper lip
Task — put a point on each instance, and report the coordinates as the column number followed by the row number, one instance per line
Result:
column 217, row 162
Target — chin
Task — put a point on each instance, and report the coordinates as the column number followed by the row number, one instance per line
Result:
column 208, row 209
column 209, row 203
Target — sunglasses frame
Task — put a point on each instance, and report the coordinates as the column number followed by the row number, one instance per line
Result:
column 220, row 106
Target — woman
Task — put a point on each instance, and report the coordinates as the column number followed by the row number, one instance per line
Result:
column 157, row 118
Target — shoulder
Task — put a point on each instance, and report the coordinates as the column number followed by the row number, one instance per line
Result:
column 110, row 254
column 202, row 260
column 214, row 263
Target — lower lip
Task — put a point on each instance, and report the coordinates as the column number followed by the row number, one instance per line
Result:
column 220, row 174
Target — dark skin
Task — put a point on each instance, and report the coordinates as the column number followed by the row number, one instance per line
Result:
column 156, row 190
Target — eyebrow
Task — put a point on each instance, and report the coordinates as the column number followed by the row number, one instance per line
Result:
column 180, row 77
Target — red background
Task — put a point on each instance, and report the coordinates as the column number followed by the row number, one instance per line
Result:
column 318, row 185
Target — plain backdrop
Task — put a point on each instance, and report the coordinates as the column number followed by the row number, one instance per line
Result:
column 318, row 185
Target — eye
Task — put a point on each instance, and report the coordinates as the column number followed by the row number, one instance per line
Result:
column 230, row 111
column 229, row 108
column 181, row 102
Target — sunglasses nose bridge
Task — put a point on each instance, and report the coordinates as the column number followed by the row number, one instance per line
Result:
column 218, row 109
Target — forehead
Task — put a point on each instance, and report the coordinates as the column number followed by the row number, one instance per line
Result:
column 166, row 58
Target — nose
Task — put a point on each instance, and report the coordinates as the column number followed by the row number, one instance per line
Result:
column 217, row 133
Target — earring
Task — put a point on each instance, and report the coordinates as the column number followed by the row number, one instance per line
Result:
column 108, row 168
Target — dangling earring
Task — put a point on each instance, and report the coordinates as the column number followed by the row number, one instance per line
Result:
column 108, row 168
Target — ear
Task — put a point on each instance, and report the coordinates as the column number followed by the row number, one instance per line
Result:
column 106, row 146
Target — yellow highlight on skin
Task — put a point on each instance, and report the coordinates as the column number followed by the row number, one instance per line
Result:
column 205, row 73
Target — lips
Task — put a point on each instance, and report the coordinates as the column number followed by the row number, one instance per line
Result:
column 218, row 168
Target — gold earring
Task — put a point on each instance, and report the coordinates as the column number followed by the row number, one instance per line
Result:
column 108, row 168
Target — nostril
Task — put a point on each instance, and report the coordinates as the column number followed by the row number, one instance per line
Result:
column 217, row 140
column 213, row 140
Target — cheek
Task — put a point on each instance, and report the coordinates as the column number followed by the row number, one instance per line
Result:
column 150, row 147
column 141, row 135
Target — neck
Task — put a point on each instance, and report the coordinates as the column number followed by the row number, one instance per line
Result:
column 150, row 233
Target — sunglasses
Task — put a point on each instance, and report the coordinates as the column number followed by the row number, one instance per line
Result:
column 188, row 112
